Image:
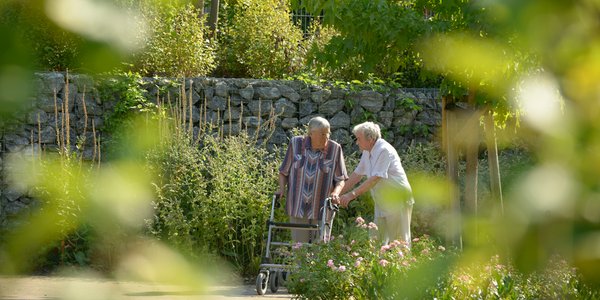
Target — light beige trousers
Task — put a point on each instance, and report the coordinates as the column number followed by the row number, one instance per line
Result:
column 395, row 226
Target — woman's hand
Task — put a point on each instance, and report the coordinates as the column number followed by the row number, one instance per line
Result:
column 335, row 198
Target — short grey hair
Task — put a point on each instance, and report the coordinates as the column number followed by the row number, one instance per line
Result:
column 317, row 123
column 370, row 130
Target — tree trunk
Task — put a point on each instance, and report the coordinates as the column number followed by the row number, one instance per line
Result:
column 444, row 124
column 200, row 6
column 449, row 127
column 471, row 134
column 214, row 17
column 492, row 150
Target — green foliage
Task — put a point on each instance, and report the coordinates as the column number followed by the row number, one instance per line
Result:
column 354, row 265
column 214, row 198
column 318, row 38
column 178, row 45
column 364, row 44
column 496, row 279
column 73, row 245
column 125, row 91
column 73, row 249
column 424, row 158
column 62, row 203
column 357, row 266
column 181, row 190
column 408, row 103
column 260, row 41
column 52, row 48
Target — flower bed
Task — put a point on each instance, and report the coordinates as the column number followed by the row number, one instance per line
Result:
column 356, row 266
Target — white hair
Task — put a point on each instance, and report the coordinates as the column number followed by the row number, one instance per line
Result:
column 317, row 123
column 370, row 130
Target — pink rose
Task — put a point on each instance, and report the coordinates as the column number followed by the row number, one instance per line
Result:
column 330, row 263
column 383, row 262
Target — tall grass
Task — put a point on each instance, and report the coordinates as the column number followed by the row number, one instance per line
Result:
column 213, row 187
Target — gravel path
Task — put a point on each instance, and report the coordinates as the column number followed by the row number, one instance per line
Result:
column 49, row 288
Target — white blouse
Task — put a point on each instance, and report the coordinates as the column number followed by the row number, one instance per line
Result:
column 393, row 189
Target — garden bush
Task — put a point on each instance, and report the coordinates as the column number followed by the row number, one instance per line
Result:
column 355, row 266
column 213, row 195
column 178, row 44
column 258, row 40
column 58, row 181
column 315, row 43
column 51, row 47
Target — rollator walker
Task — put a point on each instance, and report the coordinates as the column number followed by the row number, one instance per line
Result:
column 271, row 274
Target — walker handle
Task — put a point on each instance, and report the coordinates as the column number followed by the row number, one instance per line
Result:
column 330, row 204
column 277, row 198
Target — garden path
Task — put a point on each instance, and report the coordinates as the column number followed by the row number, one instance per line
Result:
column 50, row 288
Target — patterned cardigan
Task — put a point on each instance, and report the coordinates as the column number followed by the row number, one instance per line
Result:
column 311, row 175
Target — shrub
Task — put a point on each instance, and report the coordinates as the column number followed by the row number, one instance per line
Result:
column 181, row 190
column 52, row 48
column 495, row 279
column 260, row 41
column 59, row 181
column 354, row 266
column 178, row 44
column 212, row 195
column 316, row 42
column 124, row 91
column 243, row 178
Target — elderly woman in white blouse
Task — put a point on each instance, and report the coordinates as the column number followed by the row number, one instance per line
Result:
column 386, row 180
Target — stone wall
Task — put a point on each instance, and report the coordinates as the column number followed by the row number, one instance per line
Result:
column 405, row 115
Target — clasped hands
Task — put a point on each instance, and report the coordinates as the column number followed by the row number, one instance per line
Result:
column 342, row 200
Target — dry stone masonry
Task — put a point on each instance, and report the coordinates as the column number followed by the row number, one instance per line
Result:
column 405, row 115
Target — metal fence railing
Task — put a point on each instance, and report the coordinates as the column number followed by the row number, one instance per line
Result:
column 304, row 20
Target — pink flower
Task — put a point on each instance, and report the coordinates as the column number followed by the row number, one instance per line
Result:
column 359, row 221
column 297, row 245
column 372, row 226
column 330, row 263
column 354, row 253
column 383, row 262
column 352, row 242
column 464, row 278
column 384, row 248
column 358, row 261
column 400, row 253
column 415, row 240
column 341, row 268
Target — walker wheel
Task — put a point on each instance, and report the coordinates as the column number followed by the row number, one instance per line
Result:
column 274, row 281
column 261, row 283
